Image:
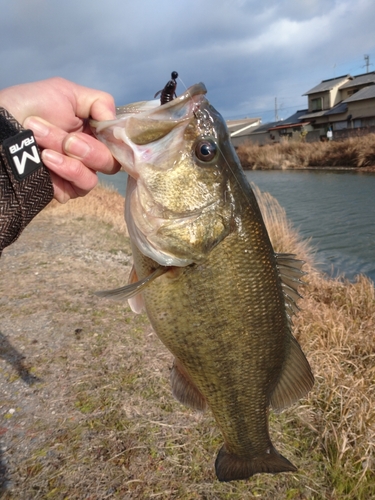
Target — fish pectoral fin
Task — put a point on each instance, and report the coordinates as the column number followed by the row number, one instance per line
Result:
column 296, row 378
column 184, row 389
column 132, row 289
column 230, row 467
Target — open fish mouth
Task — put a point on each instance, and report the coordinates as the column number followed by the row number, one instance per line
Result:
column 178, row 109
column 132, row 136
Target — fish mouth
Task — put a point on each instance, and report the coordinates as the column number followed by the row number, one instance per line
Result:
column 174, row 110
column 133, row 136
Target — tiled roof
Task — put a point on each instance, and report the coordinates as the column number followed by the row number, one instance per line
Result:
column 365, row 93
column 311, row 116
column 365, row 79
column 264, row 127
column 242, row 126
column 289, row 125
column 342, row 107
column 328, row 84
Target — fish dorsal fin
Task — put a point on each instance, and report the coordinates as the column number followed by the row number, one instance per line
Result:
column 128, row 291
column 296, row 378
column 290, row 272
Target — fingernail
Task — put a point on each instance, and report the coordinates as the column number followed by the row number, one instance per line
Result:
column 39, row 128
column 76, row 147
column 52, row 157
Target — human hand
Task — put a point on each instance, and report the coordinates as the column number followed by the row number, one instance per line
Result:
column 56, row 110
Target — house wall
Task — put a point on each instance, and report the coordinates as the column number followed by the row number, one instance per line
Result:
column 362, row 108
column 335, row 96
column 261, row 139
column 313, row 136
column 324, row 121
column 345, row 93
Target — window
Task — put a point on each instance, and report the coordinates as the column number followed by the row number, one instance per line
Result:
column 340, row 125
column 316, row 104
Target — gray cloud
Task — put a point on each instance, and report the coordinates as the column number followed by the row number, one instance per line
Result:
column 247, row 52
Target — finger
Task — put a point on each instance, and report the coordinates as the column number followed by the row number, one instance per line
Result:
column 83, row 147
column 75, row 174
column 47, row 135
column 93, row 153
column 95, row 103
column 63, row 190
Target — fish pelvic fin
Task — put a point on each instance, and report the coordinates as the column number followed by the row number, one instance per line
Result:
column 136, row 303
column 134, row 288
column 296, row 378
column 184, row 389
column 230, row 467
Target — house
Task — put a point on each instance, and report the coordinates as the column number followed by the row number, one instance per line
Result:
column 293, row 128
column 241, row 128
column 270, row 133
column 345, row 105
column 259, row 135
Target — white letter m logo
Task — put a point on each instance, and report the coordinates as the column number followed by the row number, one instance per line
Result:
column 22, row 154
column 20, row 165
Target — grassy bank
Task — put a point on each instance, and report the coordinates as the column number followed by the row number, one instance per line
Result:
column 97, row 420
column 355, row 153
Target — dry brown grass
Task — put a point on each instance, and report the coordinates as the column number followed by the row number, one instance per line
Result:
column 357, row 153
column 102, row 202
column 336, row 327
column 115, row 430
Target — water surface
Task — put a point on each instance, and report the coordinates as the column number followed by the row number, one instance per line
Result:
column 336, row 209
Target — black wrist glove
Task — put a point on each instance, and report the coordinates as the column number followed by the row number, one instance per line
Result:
column 25, row 184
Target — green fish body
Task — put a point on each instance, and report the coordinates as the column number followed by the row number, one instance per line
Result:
column 216, row 293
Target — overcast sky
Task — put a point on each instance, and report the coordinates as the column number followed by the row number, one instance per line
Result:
column 247, row 52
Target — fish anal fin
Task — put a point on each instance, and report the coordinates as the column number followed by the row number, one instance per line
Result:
column 230, row 467
column 296, row 378
column 184, row 389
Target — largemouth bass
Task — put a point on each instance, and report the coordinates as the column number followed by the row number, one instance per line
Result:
column 216, row 293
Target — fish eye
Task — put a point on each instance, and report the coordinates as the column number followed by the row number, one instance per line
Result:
column 205, row 150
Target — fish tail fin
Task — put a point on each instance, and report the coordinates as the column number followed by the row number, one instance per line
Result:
column 230, row 467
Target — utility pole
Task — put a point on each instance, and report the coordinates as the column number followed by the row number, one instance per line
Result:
column 276, row 113
column 367, row 62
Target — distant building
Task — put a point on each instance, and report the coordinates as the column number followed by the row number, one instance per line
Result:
column 345, row 105
column 241, row 128
column 270, row 133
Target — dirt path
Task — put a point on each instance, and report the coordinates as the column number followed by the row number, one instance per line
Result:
column 65, row 354
column 47, row 310
column 86, row 410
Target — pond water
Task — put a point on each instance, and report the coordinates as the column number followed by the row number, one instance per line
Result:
column 335, row 209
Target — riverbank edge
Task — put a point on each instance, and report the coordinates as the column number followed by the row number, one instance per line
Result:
column 367, row 170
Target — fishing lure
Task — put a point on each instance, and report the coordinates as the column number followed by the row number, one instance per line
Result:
column 168, row 93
